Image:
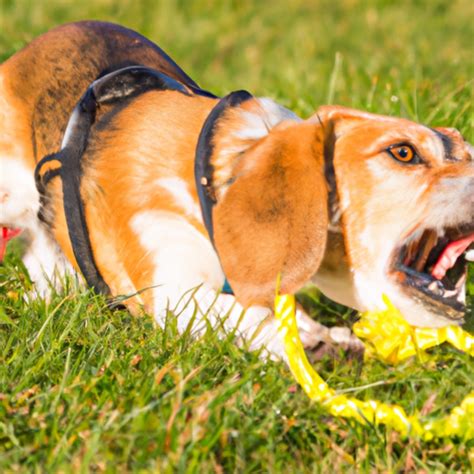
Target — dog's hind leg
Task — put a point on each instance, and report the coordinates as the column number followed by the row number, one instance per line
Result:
column 46, row 264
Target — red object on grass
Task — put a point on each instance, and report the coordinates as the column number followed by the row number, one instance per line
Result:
column 7, row 234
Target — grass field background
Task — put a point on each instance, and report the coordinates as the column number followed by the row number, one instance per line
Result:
column 83, row 389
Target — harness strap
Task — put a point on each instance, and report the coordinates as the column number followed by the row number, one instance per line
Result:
column 110, row 89
column 203, row 169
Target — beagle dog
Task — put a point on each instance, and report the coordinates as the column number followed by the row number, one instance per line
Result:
column 173, row 194
column 39, row 87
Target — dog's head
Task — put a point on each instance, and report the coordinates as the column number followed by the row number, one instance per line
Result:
column 364, row 205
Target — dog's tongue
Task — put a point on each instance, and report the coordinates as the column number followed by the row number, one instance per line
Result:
column 450, row 254
column 6, row 234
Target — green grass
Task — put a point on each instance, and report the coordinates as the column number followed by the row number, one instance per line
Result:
column 84, row 389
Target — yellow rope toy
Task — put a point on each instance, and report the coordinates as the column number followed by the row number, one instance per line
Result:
column 393, row 339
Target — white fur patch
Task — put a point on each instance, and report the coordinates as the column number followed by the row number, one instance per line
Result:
column 179, row 191
column 187, row 281
column 20, row 199
column 183, row 257
column 19, row 204
column 46, row 264
column 260, row 121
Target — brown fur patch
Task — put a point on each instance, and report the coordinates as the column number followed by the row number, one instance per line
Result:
column 273, row 218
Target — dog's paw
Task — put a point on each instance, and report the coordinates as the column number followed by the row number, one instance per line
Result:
column 342, row 344
column 320, row 341
column 346, row 339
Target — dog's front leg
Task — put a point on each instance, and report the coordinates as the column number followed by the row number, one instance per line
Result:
column 201, row 307
column 256, row 327
column 187, row 278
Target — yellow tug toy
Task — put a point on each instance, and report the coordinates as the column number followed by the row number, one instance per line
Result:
column 392, row 339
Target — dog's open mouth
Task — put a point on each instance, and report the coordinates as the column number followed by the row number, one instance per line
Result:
column 434, row 266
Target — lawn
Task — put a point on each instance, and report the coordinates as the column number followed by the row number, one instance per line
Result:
column 85, row 389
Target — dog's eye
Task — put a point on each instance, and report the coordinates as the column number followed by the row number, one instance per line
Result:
column 404, row 153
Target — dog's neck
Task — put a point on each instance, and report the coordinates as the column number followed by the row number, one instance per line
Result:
column 334, row 277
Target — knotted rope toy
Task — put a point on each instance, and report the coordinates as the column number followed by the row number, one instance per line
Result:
column 391, row 338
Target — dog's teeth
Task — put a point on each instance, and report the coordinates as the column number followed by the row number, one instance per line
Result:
column 450, row 293
column 436, row 287
column 410, row 253
column 461, row 282
column 428, row 241
column 469, row 255
column 462, row 296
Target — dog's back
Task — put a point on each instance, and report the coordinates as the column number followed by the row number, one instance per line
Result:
column 46, row 78
column 39, row 87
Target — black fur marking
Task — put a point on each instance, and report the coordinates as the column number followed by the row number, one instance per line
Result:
column 330, row 175
column 203, row 169
column 33, row 142
column 130, row 82
column 113, row 88
column 447, row 145
column 114, row 41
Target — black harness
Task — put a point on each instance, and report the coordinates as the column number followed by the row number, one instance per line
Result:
column 111, row 89
column 203, row 169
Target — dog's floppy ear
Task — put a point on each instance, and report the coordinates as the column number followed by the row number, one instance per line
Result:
column 270, row 211
column 335, row 120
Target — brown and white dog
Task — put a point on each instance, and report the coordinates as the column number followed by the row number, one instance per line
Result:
column 362, row 205
column 39, row 87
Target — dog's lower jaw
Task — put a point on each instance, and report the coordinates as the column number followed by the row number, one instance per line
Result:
column 365, row 291
column 364, row 288
column 372, row 289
